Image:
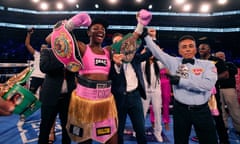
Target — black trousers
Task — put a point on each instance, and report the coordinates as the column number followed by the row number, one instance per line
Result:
column 35, row 83
column 48, row 115
column 184, row 117
column 132, row 106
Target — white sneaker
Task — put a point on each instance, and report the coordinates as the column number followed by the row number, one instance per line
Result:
column 134, row 134
column 158, row 137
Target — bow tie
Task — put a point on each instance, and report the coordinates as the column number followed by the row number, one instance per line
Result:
column 185, row 61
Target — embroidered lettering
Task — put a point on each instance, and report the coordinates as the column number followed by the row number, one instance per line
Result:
column 197, row 71
column 100, row 62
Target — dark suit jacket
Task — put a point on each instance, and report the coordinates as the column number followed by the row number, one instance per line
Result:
column 119, row 81
column 52, row 84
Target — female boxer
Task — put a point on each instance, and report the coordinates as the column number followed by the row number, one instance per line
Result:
column 92, row 111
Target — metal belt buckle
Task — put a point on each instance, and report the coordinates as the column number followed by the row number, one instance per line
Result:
column 101, row 85
column 100, row 90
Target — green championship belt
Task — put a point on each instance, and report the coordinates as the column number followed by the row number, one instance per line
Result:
column 127, row 46
column 25, row 101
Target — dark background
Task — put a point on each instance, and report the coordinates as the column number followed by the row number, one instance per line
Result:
column 12, row 48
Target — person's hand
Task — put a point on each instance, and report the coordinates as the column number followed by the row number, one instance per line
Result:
column 174, row 79
column 81, row 19
column 144, row 50
column 6, row 107
column 117, row 58
column 144, row 17
column 152, row 33
column 213, row 91
column 30, row 31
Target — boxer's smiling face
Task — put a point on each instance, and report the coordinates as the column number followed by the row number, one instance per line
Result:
column 97, row 33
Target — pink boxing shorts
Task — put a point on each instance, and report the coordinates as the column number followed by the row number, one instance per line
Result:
column 92, row 111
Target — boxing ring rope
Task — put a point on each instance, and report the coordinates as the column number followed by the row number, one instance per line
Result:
column 13, row 65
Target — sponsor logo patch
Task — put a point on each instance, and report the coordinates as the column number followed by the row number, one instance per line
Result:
column 100, row 62
column 76, row 130
column 197, row 71
column 103, row 131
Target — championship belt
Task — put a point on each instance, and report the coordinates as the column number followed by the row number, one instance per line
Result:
column 25, row 101
column 127, row 46
column 19, row 78
column 65, row 48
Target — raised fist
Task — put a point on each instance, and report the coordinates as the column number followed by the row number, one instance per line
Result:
column 81, row 19
column 30, row 30
column 144, row 17
column 152, row 33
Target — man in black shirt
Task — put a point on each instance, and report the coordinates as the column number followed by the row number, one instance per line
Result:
column 228, row 94
column 205, row 54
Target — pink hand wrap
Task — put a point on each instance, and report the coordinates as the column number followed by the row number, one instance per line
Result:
column 213, row 91
column 81, row 19
column 144, row 17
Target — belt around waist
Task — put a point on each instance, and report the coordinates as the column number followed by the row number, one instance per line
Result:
column 191, row 107
column 93, row 83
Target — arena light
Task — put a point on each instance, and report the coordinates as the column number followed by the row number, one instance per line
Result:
column 150, row 6
column 138, row 1
column 59, row 5
column 44, row 6
column 35, row 12
column 35, row 1
column 179, row 2
column 205, row 8
column 71, row 1
column 96, row 6
column 222, row 2
column 112, row 1
column 187, row 7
